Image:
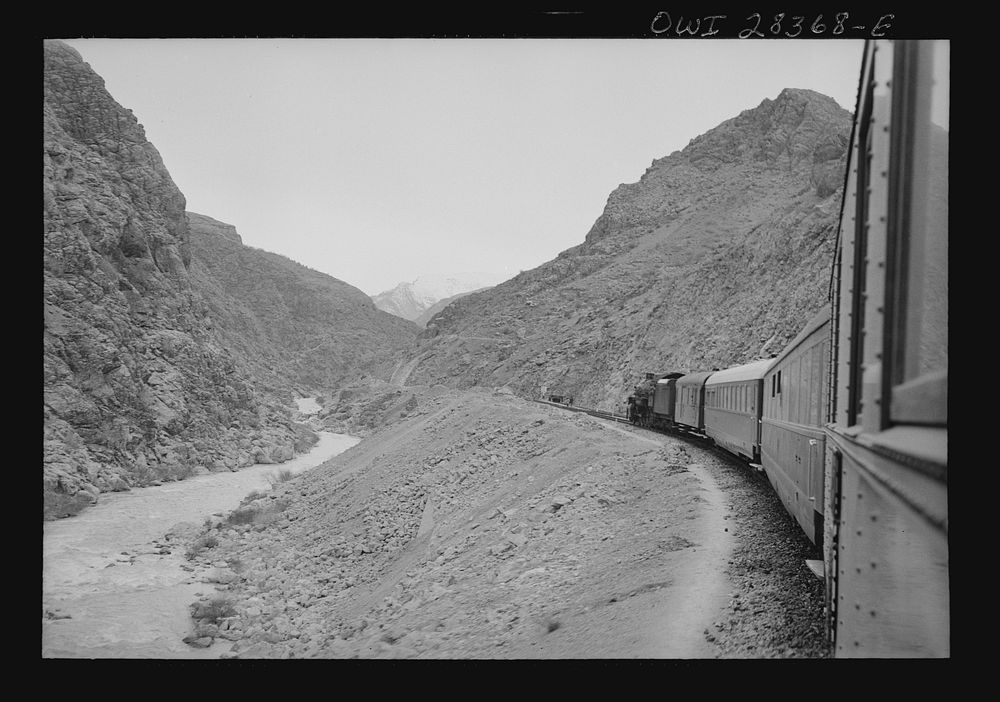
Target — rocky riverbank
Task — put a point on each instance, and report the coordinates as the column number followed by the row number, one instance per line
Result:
column 484, row 526
column 169, row 347
column 116, row 580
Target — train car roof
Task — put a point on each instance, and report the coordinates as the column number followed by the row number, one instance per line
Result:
column 748, row 371
column 694, row 378
column 669, row 378
column 821, row 318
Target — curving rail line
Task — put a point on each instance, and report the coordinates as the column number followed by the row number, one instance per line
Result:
column 703, row 441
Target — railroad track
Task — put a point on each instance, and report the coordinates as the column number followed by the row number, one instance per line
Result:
column 698, row 439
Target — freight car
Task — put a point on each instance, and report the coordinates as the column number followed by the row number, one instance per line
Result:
column 850, row 421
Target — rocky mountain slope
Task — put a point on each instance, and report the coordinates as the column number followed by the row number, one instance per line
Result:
column 291, row 324
column 428, row 314
column 152, row 370
column 718, row 255
column 418, row 300
column 485, row 526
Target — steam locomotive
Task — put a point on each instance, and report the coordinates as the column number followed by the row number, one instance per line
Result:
column 850, row 421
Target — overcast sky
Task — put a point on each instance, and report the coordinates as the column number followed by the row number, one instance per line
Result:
column 381, row 160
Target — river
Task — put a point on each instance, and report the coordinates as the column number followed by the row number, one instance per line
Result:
column 107, row 589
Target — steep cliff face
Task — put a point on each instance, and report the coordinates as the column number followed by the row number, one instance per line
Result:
column 717, row 256
column 148, row 373
column 293, row 326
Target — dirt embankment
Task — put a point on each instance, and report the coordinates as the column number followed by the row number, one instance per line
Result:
column 484, row 526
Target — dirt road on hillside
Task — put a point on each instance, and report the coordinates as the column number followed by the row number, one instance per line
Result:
column 484, row 526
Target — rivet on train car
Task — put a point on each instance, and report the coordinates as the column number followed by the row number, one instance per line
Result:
column 857, row 606
column 874, row 518
column 873, row 564
column 873, row 612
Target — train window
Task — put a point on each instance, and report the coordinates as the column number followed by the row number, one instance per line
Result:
column 918, row 296
column 793, row 389
column 779, row 382
column 816, row 385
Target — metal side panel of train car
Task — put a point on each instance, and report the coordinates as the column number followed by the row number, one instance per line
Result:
column 689, row 408
column 792, row 438
column 892, row 596
column 733, row 405
column 886, row 507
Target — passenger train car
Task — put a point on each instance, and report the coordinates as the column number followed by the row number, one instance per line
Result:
column 796, row 393
column 850, row 421
column 886, row 478
column 689, row 405
column 732, row 408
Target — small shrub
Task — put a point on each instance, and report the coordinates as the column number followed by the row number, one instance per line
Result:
column 242, row 515
column 206, row 541
column 214, row 610
column 282, row 476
